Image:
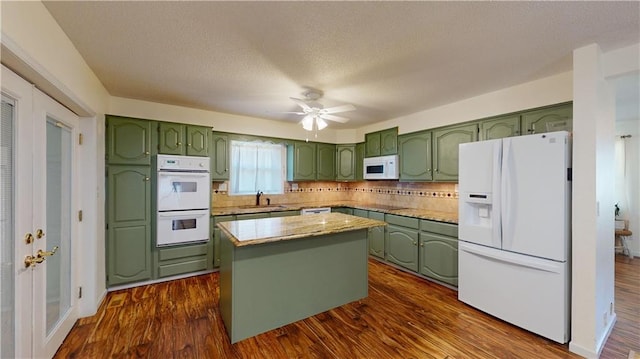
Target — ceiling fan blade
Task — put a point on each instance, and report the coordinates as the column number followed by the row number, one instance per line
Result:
column 335, row 109
column 295, row 113
column 334, row 118
column 301, row 103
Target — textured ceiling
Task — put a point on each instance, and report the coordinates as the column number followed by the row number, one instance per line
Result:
column 387, row 58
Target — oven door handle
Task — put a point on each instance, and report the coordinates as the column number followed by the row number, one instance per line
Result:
column 168, row 215
column 183, row 174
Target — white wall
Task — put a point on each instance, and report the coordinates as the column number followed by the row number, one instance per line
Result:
column 30, row 34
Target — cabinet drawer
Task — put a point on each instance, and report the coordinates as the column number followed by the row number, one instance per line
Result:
column 376, row 215
column 403, row 221
column 182, row 267
column 182, row 252
column 284, row 213
column 446, row 229
column 240, row 217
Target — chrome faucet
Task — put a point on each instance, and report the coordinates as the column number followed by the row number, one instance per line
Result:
column 258, row 198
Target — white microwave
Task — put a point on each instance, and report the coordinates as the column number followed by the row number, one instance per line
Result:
column 381, row 168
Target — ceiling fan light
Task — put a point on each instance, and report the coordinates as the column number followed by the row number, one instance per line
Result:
column 307, row 123
column 320, row 123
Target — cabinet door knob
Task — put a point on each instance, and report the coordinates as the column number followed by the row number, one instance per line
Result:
column 179, row 143
column 146, row 179
column 146, row 153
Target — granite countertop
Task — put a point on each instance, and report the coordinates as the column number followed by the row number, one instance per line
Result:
column 267, row 230
column 439, row 216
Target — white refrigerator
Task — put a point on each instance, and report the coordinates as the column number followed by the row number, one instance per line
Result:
column 514, row 230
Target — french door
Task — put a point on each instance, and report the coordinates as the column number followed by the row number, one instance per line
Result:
column 38, row 232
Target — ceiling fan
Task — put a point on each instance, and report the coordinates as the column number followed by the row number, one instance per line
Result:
column 315, row 114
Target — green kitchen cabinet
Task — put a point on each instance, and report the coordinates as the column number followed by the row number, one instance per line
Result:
column 216, row 236
column 439, row 251
column 550, row 119
column 445, row 149
column 220, row 156
column 415, row 156
column 128, row 224
column 345, row 210
column 179, row 139
column 259, row 215
column 128, row 141
column 361, row 213
column 376, row 236
column 359, row 161
column 182, row 259
column 284, row 214
column 301, row 161
column 381, row 143
column 506, row 126
column 345, row 162
column 401, row 241
column 326, row 162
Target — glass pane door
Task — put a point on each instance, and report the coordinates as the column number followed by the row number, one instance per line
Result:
column 58, row 214
column 7, row 265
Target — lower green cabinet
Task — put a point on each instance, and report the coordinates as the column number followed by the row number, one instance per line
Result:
column 376, row 236
column 128, row 254
column 361, row 213
column 401, row 241
column 344, row 210
column 183, row 259
column 284, row 213
column 439, row 251
column 216, row 236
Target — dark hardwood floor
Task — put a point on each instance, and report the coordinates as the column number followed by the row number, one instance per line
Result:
column 403, row 317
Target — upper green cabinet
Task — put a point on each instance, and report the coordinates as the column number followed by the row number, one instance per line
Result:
column 556, row 118
column 301, row 161
column 360, row 161
column 415, row 156
column 326, row 164
column 179, row 139
column 501, row 127
column 128, row 141
column 445, row 149
column 219, row 157
column 381, row 143
column 345, row 162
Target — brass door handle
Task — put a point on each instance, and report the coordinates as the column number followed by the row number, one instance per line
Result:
column 42, row 254
column 32, row 261
column 28, row 238
column 39, row 233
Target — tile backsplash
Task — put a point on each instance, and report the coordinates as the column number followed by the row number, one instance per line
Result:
column 424, row 195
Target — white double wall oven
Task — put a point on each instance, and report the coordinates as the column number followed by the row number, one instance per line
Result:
column 183, row 200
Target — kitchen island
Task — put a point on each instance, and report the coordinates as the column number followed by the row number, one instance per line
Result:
column 275, row 271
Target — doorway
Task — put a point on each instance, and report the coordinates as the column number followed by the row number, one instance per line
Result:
column 38, row 230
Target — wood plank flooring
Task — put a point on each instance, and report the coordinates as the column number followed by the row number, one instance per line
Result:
column 403, row 317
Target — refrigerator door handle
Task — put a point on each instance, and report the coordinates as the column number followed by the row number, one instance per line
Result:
column 505, row 194
column 505, row 257
column 496, row 202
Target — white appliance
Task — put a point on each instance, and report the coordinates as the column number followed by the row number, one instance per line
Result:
column 514, row 230
column 380, row 168
column 305, row 211
column 183, row 200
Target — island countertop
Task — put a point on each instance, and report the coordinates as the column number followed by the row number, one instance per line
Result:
column 266, row 230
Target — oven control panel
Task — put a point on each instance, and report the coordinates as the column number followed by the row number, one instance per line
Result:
column 182, row 163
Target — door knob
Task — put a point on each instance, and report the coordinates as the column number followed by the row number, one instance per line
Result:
column 42, row 254
column 28, row 238
column 39, row 233
column 32, row 261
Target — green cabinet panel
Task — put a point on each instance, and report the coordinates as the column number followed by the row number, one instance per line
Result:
column 415, row 156
column 389, row 142
column 549, row 119
column 360, row 161
column 381, row 143
column 197, row 141
column 345, row 162
column 170, row 138
column 502, row 127
column 128, row 141
column 361, row 213
column 129, row 195
column 402, row 247
column 326, row 162
column 376, row 236
column 344, row 210
column 445, row 149
column 301, row 161
column 439, row 257
column 219, row 157
column 252, row 216
column 372, row 144
column 285, row 213
column 128, row 254
column 217, row 235
column 184, row 259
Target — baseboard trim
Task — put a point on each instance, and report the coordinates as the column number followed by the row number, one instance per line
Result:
column 595, row 352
